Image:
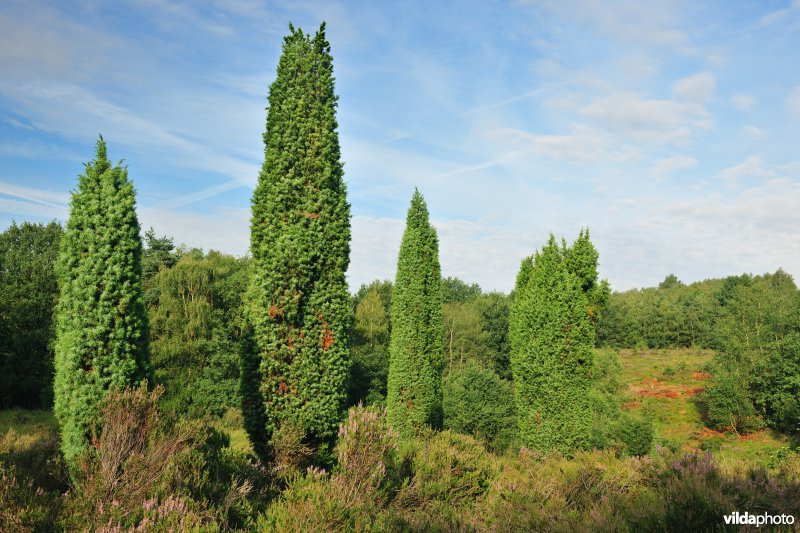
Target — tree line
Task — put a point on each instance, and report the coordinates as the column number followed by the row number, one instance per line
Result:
column 751, row 322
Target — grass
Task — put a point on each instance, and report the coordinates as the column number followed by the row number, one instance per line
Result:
column 668, row 385
column 28, row 422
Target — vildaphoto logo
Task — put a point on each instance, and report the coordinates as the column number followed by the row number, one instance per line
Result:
column 747, row 519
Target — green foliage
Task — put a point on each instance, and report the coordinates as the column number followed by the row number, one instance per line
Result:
column 148, row 473
column 451, row 468
column 28, row 296
column 370, row 349
column 476, row 402
column 464, row 336
column 456, row 290
column 296, row 367
column 736, row 314
column 354, row 497
column 728, row 400
column 551, row 341
column 637, row 434
column 775, row 385
column 581, row 259
column 194, row 333
column 102, row 334
column 414, row 397
column 159, row 252
column 755, row 373
column 494, row 309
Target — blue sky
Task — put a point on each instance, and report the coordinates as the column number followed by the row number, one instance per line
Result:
column 671, row 129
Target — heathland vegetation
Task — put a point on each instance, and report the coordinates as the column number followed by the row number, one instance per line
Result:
column 145, row 387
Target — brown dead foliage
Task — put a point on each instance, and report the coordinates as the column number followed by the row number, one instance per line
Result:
column 652, row 382
column 655, row 389
column 701, row 375
column 694, row 391
column 660, row 393
column 707, row 433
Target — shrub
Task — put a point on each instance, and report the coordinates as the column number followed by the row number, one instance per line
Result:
column 298, row 303
column 134, row 459
column 102, row 340
column 355, row 496
column 416, row 347
column 367, row 451
column 22, row 507
column 728, row 402
column 776, row 387
column 693, row 495
column 310, row 503
column 637, row 434
column 552, row 338
column 448, row 467
column 476, row 402
column 290, row 453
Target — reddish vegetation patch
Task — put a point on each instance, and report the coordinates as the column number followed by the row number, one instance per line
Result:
column 707, row 433
column 311, row 215
column 630, row 405
column 327, row 339
column 652, row 382
column 701, row 375
column 655, row 389
column 694, row 391
column 283, row 388
column 660, row 393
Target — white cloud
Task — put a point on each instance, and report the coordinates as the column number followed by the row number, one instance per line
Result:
column 512, row 100
column 73, row 111
column 754, row 131
column 225, row 230
column 638, row 66
column 36, row 150
column 39, row 196
column 754, row 231
column 664, row 168
column 695, row 88
column 32, row 209
column 583, row 145
column 477, row 252
column 743, row 102
column 373, row 250
column 780, row 15
column 752, row 167
column 647, row 23
column 647, row 119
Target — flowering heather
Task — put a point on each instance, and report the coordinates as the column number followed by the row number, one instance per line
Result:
column 696, row 464
column 366, row 448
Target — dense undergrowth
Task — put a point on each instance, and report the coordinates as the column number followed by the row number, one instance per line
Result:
column 149, row 473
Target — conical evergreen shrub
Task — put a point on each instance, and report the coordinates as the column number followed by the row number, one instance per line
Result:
column 552, row 341
column 416, row 348
column 295, row 365
column 101, row 324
